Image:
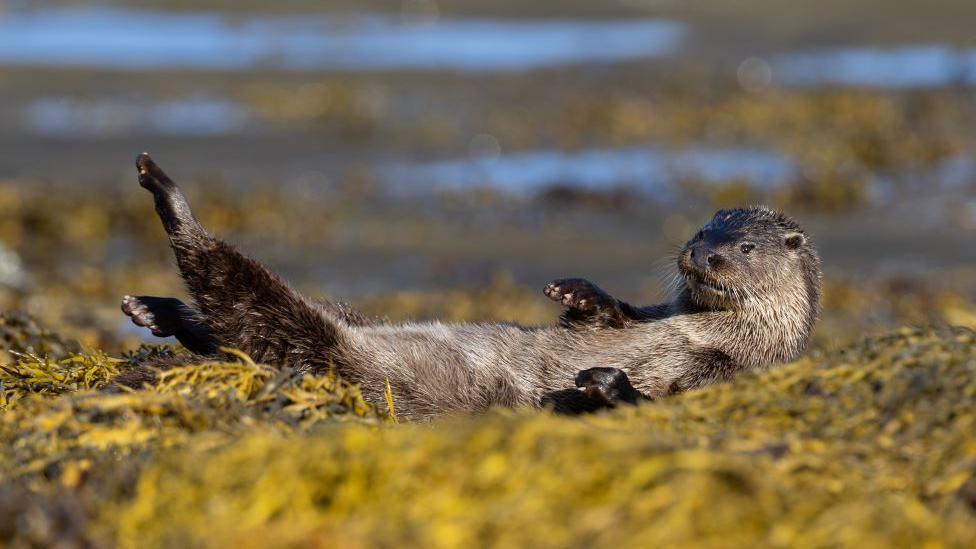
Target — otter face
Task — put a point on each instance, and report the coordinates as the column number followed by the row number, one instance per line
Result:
column 743, row 254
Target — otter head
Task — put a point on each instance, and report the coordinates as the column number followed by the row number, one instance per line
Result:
column 754, row 258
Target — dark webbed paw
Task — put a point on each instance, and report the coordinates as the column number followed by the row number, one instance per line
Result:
column 159, row 314
column 579, row 293
column 607, row 386
column 171, row 205
column 168, row 316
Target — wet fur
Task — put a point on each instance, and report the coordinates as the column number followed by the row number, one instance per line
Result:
column 433, row 368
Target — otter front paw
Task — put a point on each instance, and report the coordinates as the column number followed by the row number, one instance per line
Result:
column 587, row 305
column 579, row 293
column 607, row 386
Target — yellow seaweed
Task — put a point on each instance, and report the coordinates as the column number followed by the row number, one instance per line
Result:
column 872, row 444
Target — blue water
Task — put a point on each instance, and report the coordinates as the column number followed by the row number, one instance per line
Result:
column 196, row 116
column 125, row 39
column 651, row 170
column 925, row 66
column 128, row 40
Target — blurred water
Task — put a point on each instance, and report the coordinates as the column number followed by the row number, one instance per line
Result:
column 927, row 66
column 125, row 39
column 137, row 40
column 199, row 116
column 955, row 172
column 652, row 170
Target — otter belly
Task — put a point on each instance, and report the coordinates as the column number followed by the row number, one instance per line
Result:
column 436, row 368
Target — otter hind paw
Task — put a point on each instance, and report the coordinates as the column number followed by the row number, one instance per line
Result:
column 607, row 386
column 151, row 176
column 157, row 314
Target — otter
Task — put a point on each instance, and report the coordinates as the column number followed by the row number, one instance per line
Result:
column 749, row 296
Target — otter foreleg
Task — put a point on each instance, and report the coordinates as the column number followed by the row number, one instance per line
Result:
column 587, row 306
column 241, row 303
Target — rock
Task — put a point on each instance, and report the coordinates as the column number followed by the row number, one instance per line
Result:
column 12, row 273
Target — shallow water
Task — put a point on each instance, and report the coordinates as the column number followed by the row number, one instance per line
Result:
column 653, row 170
column 139, row 40
column 124, row 39
column 107, row 116
column 919, row 66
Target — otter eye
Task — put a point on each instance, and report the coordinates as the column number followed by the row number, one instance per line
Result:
column 746, row 248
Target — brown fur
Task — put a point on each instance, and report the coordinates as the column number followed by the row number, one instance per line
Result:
column 733, row 311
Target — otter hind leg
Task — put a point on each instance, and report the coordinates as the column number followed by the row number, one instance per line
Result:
column 241, row 303
column 168, row 316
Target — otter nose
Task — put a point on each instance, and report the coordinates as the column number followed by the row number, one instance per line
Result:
column 705, row 258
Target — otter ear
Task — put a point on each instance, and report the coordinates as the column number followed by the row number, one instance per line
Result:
column 794, row 240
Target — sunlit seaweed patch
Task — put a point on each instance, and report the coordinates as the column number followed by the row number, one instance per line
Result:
column 871, row 444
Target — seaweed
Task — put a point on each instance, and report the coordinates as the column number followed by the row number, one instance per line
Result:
column 867, row 444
